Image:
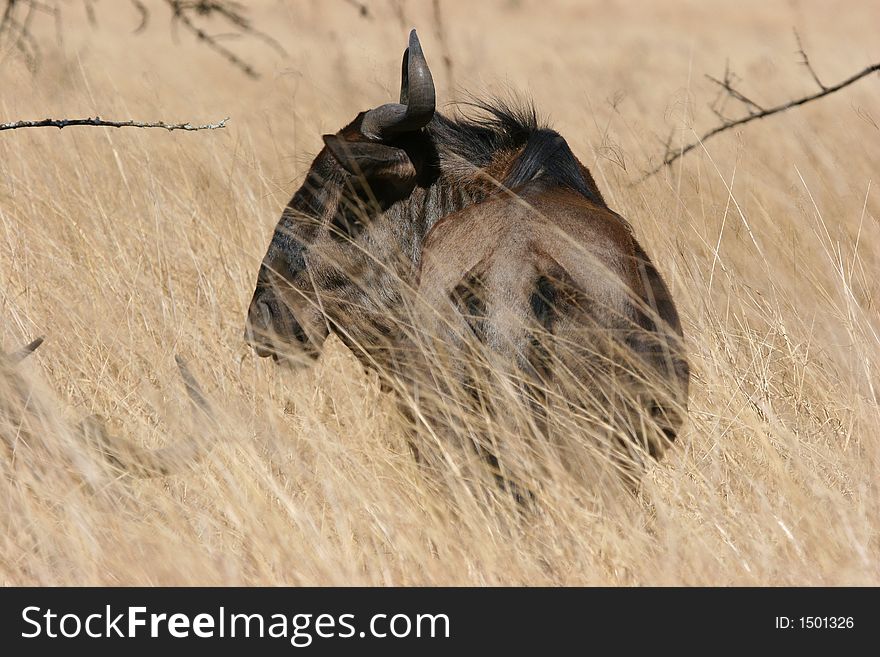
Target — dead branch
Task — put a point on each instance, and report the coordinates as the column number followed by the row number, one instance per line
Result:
column 184, row 19
column 97, row 121
column 753, row 109
column 727, row 85
column 183, row 12
column 18, row 15
column 18, row 29
column 806, row 61
column 361, row 7
column 145, row 15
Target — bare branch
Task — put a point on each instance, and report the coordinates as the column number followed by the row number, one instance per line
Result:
column 145, row 15
column 17, row 16
column 97, row 121
column 361, row 7
column 755, row 111
column 806, row 61
column 181, row 15
column 19, row 31
column 667, row 145
column 724, row 121
column 727, row 85
column 233, row 12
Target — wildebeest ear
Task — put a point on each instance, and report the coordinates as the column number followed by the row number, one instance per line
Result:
column 371, row 160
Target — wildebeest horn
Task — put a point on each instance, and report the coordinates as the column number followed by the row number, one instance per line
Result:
column 417, row 98
column 26, row 351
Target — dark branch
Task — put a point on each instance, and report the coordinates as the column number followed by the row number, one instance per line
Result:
column 64, row 123
column 181, row 15
column 145, row 15
column 17, row 16
column 667, row 145
column 806, row 61
column 361, row 7
column 724, row 121
column 232, row 13
column 727, row 85
column 19, row 31
column 728, row 124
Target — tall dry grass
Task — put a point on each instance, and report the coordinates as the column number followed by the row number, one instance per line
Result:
column 127, row 247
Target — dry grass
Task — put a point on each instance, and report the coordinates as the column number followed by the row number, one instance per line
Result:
column 127, row 247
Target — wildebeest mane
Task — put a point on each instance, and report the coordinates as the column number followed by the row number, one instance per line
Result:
column 497, row 126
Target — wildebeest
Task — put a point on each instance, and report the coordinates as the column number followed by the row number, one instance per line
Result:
column 504, row 237
column 24, row 416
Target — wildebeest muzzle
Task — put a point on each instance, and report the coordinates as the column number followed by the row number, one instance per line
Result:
column 272, row 328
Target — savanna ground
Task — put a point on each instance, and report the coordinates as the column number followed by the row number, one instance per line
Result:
column 126, row 247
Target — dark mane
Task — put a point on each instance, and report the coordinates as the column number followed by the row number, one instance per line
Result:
column 497, row 126
column 487, row 128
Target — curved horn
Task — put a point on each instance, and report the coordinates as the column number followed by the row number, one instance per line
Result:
column 417, row 98
column 416, row 83
column 25, row 351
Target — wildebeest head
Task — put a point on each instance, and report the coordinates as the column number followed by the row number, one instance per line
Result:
column 329, row 246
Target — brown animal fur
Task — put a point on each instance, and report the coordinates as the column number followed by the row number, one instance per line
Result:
column 503, row 235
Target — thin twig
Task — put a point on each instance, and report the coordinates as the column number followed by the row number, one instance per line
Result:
column 19, row 32
column 806, row 61
column 234, row 13
column 96, row 121
column 667, row 145
column 145, row 15
column 181, row 15
column 760, row 115
column 361, row 7
column 724, row 121
column 727, row 85
column 17, row 15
